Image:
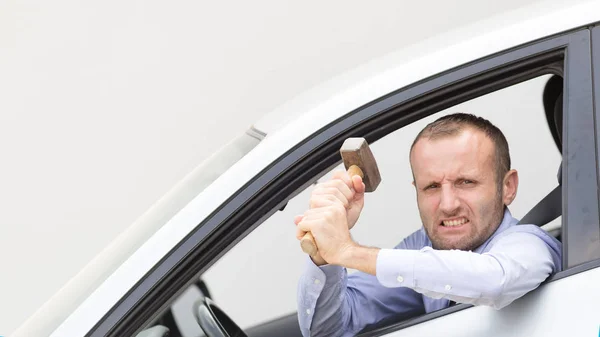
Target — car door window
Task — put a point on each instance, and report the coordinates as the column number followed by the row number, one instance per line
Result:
column 269, row 260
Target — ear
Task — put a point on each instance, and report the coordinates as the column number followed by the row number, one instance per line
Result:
column 510, row 185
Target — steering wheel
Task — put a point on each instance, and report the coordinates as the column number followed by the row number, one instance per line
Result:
column 213, row 321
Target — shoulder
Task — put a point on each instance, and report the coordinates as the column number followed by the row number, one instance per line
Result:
column 529, row 239
column 416, row 240
column 527, row 232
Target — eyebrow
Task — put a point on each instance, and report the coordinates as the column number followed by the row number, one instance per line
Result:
column 461, row 177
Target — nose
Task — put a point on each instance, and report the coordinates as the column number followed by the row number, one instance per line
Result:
column 449, row 201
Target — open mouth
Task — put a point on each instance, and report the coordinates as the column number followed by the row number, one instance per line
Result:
column 454, row 222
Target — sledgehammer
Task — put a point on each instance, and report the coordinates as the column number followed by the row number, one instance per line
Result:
column 358, row 160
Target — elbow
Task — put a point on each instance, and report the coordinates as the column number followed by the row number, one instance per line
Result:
column 503, row 287
column 509, row 288
column 512, row 278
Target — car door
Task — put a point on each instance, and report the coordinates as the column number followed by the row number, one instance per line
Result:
column 567, row 55
column 581, row 236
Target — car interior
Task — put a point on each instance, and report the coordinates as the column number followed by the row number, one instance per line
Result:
column 550, row 207
column 213, row 322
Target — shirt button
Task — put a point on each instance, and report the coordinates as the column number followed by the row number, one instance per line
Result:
column 400, row 279
column 308, row 311
column 317, row 281
column 448, row 287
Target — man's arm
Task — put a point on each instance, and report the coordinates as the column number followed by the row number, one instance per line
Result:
column 332, row 303
column 516, row 264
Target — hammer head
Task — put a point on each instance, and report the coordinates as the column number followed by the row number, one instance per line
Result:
column 356, row 151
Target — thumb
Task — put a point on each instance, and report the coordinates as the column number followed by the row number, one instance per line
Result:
column 298, row 218
column 359, row 185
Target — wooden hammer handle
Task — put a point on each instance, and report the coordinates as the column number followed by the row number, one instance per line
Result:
column 308, row 243
column 354, row 170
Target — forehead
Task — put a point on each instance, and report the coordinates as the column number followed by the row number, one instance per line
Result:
column 468, row 152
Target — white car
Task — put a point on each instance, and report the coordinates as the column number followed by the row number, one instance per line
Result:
column 175, row 272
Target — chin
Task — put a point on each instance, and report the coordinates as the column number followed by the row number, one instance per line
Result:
column 453, row 245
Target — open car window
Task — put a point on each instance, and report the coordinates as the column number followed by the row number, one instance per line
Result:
column 269, row 260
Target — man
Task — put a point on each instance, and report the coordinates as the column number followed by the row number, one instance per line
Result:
column 469, row 249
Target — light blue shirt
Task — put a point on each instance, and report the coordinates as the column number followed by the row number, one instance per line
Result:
column 413, row 279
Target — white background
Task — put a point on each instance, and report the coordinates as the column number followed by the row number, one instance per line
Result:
column 105, row 105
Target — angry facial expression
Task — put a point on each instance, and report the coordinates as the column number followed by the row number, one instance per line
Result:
column 457, row 189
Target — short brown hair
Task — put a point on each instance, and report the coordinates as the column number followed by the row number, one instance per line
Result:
column 454, row 124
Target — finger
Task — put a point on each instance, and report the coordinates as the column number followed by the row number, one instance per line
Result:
column 358, row 184
column 340, row 186
column 300, row 234
column 324, row 215
column 307, row 225
column 343, row 176
column 315, row 214
column 327, row 200
column 336, row 192
column 321, row 210
column 298, row 218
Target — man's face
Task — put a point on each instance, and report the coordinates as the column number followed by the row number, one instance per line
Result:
column 457, row 190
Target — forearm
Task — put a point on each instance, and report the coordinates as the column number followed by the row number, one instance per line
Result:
column 360, row 258
column 495, row 279
column 333, row 303
column 455, row 275
column 322, row 309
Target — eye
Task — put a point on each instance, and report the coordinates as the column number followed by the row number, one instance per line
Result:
column 432, row 186
column 466, row 182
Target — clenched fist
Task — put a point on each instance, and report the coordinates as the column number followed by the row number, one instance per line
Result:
column 335, row 206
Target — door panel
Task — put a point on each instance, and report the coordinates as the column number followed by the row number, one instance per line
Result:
column 566, row 307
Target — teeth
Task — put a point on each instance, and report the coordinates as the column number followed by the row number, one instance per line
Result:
column 453, row 223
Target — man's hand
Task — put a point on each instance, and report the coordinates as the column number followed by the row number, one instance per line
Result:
column 317, row 259
column 341, row 189
column 329, row 227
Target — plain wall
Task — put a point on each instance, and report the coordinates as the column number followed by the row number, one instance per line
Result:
column 106, row 105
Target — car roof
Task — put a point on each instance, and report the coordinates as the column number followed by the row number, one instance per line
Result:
column 111, row 274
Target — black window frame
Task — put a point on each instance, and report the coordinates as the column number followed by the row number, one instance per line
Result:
column 579, row 139
column 594, row 233
column 297, row 168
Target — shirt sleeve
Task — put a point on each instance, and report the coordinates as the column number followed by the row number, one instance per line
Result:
column 516, row 264
column 333, row 303
column 320, row 304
